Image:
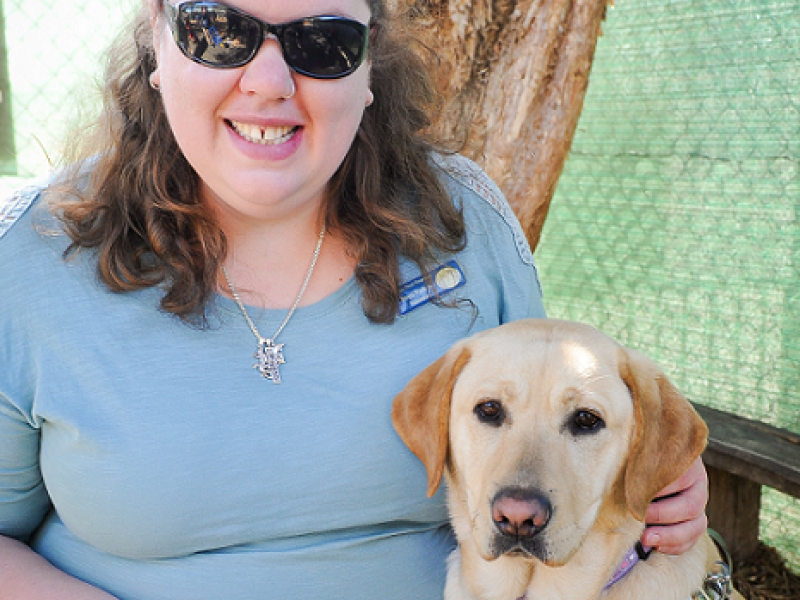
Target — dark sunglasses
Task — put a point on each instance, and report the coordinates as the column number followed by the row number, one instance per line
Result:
column 220, row 36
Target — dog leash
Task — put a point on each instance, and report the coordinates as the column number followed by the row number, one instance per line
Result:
column 718, row 583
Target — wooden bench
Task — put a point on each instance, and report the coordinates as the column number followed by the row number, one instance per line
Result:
column 743, row 455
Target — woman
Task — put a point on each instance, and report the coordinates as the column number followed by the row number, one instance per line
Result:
column 262, row 188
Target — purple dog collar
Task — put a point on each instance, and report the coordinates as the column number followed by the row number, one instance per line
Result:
column 634, row 555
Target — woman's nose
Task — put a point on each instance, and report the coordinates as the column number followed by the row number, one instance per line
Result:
column 267, row 74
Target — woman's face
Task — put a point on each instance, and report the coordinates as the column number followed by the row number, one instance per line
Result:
column 259, row 153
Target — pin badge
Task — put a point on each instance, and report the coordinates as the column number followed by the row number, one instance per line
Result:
column 445, row 278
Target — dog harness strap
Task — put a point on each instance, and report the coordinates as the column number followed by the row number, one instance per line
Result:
column 718, row 583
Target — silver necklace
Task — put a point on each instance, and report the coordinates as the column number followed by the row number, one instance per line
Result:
column 268, row 354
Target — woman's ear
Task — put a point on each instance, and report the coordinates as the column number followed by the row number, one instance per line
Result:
column 154, row 8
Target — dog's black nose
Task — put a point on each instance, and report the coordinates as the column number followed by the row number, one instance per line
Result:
column 520, row 513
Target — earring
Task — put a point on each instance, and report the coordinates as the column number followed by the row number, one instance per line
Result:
column 153, row 82
column 370, row 98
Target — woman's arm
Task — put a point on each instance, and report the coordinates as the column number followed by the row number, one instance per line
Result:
column 677, row 518
column 24, row 575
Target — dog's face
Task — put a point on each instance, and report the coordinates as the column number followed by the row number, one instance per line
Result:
column 524, row 413
column 546, row 429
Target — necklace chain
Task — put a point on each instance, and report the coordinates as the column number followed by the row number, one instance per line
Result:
column 268, row 353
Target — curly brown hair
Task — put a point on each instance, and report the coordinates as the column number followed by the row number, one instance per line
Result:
column 141, row 211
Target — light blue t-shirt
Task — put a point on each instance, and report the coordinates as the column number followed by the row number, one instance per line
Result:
column 150, row 459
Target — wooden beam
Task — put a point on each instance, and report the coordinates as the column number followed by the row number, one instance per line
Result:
column 734, row 504
column 742, row 456
column 756, row 451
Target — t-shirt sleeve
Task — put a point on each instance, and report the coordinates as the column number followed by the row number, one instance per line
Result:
column 493, row 230
column 23, row 498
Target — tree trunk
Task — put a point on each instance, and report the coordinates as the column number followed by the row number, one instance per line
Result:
column 515, row 76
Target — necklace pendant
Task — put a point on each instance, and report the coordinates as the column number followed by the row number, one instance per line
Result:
column 269, row 356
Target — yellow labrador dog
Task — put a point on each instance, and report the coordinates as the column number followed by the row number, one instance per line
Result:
column 553, row 440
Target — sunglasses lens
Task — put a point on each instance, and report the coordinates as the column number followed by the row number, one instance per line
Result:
column 325, row 48
column 214, row 35
column 219, row 36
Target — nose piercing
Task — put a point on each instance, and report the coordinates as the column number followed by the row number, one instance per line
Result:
column 290, row 94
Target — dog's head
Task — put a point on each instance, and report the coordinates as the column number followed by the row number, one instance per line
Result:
column 544, row 429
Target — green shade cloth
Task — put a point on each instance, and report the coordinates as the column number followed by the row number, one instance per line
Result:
column 674, row 227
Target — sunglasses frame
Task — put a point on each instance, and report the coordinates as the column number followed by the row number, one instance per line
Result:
column 173, row 11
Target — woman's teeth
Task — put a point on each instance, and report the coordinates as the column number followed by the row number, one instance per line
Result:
column 263, row 135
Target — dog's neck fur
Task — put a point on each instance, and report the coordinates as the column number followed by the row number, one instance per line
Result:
column 470, row 577
column 587, row 573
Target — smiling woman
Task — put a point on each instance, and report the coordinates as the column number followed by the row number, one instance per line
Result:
column 314, row 119
column 259, row 171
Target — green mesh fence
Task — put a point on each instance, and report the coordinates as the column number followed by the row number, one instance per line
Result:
column 674, row 227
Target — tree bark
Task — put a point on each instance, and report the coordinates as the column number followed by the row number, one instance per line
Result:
column 515, row 75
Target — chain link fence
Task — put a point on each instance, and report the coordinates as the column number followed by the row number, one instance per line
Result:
column 674, row 227
column 675, row 224
column 51, row 60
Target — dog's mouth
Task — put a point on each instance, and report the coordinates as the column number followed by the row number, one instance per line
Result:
column 525, row 548
column 519, row 553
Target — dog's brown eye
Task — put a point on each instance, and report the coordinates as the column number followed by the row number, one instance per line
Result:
column 490, row 412
column 584, row 421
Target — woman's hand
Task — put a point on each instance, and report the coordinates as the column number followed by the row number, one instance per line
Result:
column 676, row 518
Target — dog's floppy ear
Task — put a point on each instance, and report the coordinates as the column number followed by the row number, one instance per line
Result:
column 669, row 435
column 421, row 413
